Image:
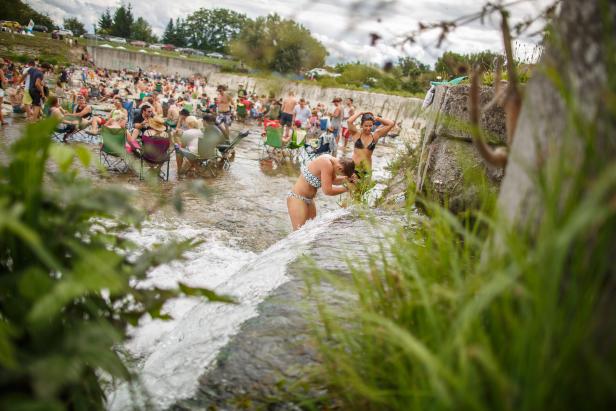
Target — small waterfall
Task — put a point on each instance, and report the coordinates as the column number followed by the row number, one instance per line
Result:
column 172, row 355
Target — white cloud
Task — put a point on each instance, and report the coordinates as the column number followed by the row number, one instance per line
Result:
column 343, row 26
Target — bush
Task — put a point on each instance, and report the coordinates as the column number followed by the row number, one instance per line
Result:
column 68, row 278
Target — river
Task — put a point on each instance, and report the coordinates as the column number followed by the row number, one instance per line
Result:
column 246, row 252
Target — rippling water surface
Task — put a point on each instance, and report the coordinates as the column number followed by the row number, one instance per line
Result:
column 247, row 246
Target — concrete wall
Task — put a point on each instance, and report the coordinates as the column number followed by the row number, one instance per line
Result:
column 400, row 109
column 114, row 59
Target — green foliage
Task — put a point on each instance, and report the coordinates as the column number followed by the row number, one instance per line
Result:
column 74, row 25
column 277, row 44
column 175, row 33
column 472, row 312
column 21, row 12
column 122, row 21
column 105, row 22
column 141, row 30
column 68, row 278
column 213, row 29
column 452, row 64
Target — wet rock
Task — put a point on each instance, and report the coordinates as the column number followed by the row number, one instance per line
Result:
column 453, row 178
column 448, row 161
column 454, row 117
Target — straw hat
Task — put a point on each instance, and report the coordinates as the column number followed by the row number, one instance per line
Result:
column 157, row 123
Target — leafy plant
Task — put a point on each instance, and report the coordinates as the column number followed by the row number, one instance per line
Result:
column 68, row 278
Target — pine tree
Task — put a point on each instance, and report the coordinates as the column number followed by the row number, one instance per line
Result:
column 169, row 33
column 105, row 22
column 122, row 21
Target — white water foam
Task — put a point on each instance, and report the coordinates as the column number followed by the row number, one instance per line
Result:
column 173, row 354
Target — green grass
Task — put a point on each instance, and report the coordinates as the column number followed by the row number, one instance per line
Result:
column 231, row 64
column 472, row 312
column 23, row 48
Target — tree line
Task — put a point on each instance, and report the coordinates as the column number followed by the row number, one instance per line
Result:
column 122, row 23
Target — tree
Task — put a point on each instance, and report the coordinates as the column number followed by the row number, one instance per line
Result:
column 105, row 22
column 452, row 64
column 122, row 21
column 276, row 44
column 212, row 30
column 168, row 34
column 411, row 67
column 141, row 30
column 74, row 25
column 22, row 13
column 486, row 59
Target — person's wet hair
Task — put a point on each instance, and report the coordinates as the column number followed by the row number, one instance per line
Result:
column 367, row 117
column 348, row 166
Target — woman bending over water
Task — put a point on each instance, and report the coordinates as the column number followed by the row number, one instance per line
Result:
column 326, row 172
column 364, row 140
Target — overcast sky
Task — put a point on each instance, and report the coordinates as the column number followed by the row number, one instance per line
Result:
column 343, row 26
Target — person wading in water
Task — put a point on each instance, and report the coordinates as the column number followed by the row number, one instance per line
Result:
column 325, row 172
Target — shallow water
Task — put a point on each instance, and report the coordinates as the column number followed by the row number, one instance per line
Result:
column 247, row 247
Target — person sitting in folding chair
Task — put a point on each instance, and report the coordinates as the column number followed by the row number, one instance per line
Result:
column 188, row 143
column 141, row 124
column 116, row 119
column 154, row 150
column 79, row 119
column 55, row 111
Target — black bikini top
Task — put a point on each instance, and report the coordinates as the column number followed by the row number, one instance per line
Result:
column 359, row 144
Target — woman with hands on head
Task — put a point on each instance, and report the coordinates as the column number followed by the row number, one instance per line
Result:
column 364, row 140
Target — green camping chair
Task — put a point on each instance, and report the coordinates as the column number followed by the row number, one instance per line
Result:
column 273, row 141
column 241, row 112
column 112, row 149
column 297, row 142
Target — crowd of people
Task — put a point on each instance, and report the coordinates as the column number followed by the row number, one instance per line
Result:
column 180, row 109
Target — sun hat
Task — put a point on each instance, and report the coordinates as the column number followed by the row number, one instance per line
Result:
column 157, row 123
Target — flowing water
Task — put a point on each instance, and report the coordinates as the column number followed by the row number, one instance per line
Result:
column 246, row 250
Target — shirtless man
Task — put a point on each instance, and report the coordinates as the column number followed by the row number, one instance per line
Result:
column 286, row 115
column 225, row 110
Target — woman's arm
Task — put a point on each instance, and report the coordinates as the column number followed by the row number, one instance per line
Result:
column 328, row 178
column 351, row 122
column 386, row 126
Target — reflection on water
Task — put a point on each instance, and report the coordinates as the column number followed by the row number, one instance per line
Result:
column 247, row 246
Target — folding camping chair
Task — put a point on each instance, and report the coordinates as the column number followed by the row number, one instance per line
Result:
column 112, row 149
column 207, row 154
column 297, row 142
column 71, row 128
column 227, row 150
column 154, row 153
column 273, row 142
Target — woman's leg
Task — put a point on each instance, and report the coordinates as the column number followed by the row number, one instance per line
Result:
column 312, row 210
column 298, row 212
column 95, row 121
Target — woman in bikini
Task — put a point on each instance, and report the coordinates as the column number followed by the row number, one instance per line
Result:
column 325, row 172
column 364, row 140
